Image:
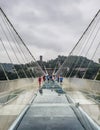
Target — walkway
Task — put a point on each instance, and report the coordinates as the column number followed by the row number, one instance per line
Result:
column 50, row 111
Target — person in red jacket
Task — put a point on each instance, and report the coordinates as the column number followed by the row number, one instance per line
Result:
column 44, row 78
column 40, row 81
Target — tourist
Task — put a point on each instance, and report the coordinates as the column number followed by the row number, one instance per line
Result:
column 48, row 77
column 39, row 81
column 57, row 79
column 44, row 78
column 60, row 80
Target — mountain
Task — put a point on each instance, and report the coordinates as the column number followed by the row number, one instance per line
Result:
column 73, row 64
column 8, row 67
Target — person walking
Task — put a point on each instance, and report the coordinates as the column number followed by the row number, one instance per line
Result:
column 39, row 81
column 44, row 78
column 57, row 79
column 48, row 78
column 61, row 80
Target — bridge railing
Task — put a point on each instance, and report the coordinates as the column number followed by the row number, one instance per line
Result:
column 83, row 84
column 85, row 92
column 15, row 95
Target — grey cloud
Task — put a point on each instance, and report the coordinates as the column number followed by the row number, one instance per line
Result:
column 49, row 24
column 51, row 13
column 48, row 17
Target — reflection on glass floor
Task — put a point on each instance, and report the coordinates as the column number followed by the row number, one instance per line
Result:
column 53, row 110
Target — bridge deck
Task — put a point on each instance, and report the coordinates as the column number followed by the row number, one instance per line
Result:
column 50, row 111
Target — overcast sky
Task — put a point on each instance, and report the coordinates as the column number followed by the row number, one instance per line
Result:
column 50, row 27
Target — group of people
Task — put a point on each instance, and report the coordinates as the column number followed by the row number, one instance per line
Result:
column 48, row 78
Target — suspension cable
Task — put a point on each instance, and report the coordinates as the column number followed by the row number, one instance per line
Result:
column 88, row 50
column 91, row 59
column 86, row 53
column 78, row 41
column 4, row 72
column 22, row 41
column 12, row 36
column 97, row 74
column 9, row 57
column 13, row 51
